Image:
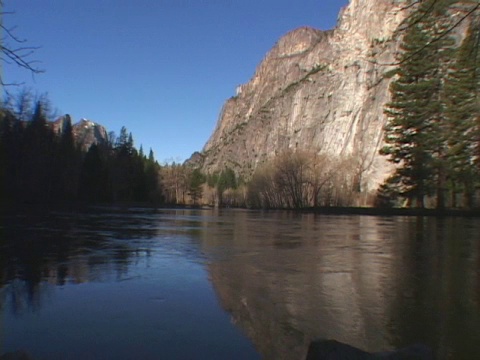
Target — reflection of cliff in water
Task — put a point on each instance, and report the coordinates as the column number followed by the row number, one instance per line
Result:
column 375, row 283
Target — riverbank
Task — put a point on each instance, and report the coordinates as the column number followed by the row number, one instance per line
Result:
column 393, row 211
column 82, row 207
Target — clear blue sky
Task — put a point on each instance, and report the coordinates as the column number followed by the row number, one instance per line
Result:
column 162, row 68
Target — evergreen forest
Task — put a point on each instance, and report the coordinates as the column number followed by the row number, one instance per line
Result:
column 43, row 166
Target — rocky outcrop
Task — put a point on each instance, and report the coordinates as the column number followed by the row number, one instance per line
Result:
column 85, row 132
column 319, row 90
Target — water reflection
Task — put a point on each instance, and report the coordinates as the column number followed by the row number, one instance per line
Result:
column 41, row 250
column 112, row 280
column 376, row 283
column 111, row 285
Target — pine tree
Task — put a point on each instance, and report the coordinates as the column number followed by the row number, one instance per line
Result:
column 226, row 180
column 38, row 151
column 94, row 185
column 152, row 183
column 196, row 180
column 7, row 155
column 413, row 133
column 463, row 114
column 68, row 163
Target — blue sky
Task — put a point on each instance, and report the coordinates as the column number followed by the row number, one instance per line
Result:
column 162, row 68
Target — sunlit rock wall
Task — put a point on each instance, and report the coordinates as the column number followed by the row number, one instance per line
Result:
column 320, row 90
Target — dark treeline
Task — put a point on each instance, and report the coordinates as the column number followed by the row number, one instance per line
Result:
column 42, row 165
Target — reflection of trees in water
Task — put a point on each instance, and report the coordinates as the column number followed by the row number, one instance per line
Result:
column 438, row 302
column 38, row 251
column 371, row 282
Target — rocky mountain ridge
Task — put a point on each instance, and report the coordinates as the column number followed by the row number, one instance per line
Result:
column 85, row 132
column 323, row 91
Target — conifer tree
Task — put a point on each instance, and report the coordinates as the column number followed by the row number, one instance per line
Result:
column 413, row 133
column 463, row 114
column 94, row 184
column 152, row 183
column 68, row 163
column 151, row 156
column 196, row 180
column 38, row 151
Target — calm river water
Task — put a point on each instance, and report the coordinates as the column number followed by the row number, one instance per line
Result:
column 235, row 284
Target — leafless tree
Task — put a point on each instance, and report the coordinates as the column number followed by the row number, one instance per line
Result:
column 15, row 50
column 299, row 179
column 292, row 173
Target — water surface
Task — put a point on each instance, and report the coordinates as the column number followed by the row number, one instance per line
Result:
column 234, row 284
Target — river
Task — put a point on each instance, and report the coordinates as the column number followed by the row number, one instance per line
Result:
column 235, row 284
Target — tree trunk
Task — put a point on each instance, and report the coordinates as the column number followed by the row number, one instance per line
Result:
column 468, row 195
column 453, row 195
column 441, row 190
column 420, row 202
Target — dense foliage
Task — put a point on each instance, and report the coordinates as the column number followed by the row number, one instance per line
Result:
column 432, row 132
column 42, row 165
column 184, row 185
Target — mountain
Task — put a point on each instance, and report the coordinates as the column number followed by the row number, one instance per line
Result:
column 85, row 132
column 318, row 90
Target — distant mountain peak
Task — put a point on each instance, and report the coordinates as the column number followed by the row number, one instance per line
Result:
column 86, row 132
column 87, row 122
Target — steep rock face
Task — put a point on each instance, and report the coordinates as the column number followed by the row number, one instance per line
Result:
column 319, row 90
column 85, row 132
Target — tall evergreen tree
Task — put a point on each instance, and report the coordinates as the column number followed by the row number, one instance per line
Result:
column 196, row 180
column 68, row 163
column 38, row 151
column 8, row 159
column 462, row 99
column 152, row 183
column 94, row 183
column 413, row 133
column 151, row 156
column 226, row 180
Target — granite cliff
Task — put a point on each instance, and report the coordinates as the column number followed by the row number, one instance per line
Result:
column 85, row 132
column 319, row 90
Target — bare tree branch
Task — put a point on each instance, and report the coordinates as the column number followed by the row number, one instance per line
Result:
column 10, row 33
column 18, row 56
